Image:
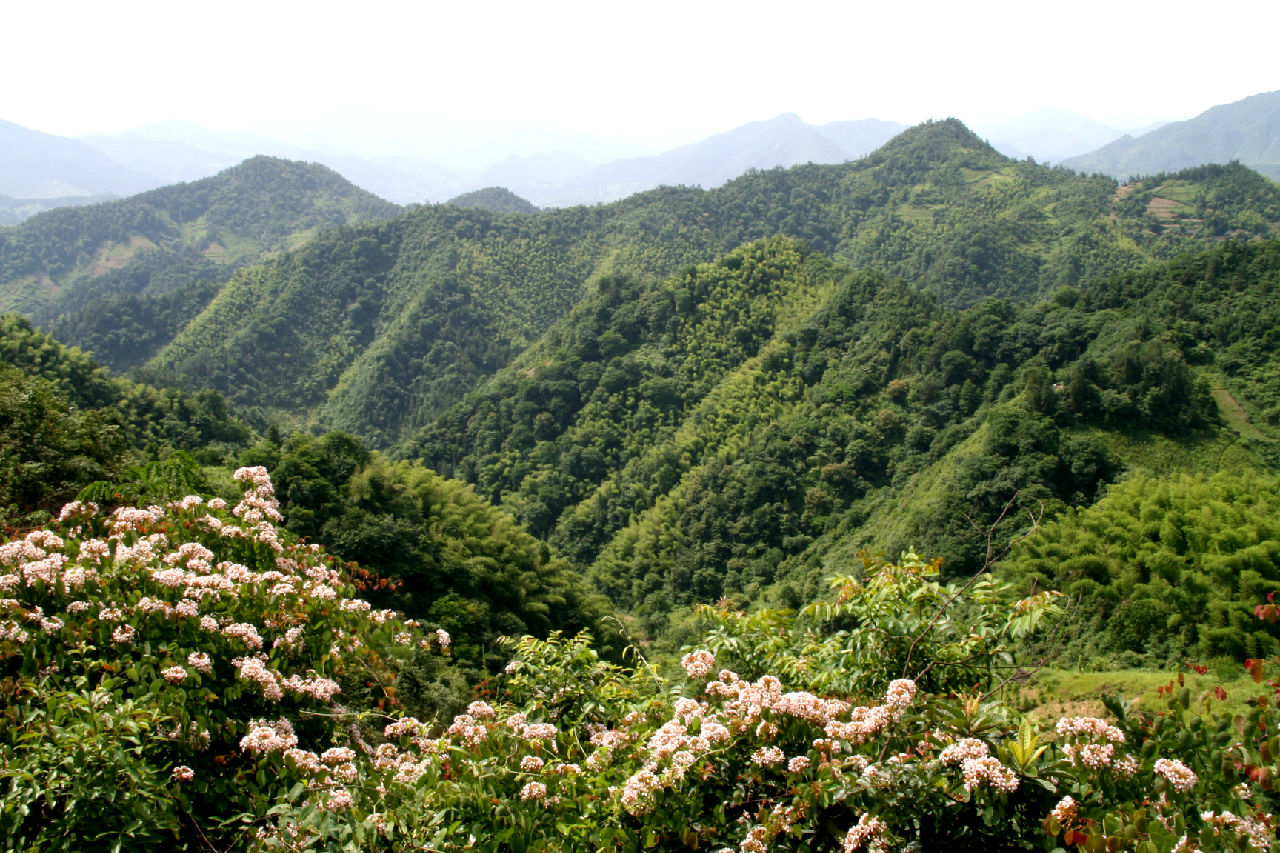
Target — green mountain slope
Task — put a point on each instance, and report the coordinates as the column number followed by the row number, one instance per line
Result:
column 745, row 428
column 377, row 330
column 1247, row 130
column 495, row 199
column 120, row 278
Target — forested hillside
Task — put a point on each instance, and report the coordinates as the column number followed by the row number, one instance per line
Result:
column 66, row 422
column 753, row 423
column 378, row 330
column 121, row 277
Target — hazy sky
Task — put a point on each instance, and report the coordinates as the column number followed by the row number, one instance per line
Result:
column 392, row 77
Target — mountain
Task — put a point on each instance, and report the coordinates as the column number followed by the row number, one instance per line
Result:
column 495, row 200
column 782, row 141
column 380, row 329
column 118, row 277
column 176, row 151
column 1048, row 135
column 859, row 137
column 40, row 165
column 745, row 428
column 1247, row 130
column 14, row 211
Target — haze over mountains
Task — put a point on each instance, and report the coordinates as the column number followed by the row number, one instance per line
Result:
column 1247, row 130
column 38, row 170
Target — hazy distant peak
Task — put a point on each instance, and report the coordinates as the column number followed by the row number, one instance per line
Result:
column 1247, row 130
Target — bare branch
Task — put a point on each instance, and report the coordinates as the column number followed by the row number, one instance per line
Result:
column 986, row 566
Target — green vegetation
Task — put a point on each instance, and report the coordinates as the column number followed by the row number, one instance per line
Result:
column 584, row 426
column 429, row 547
column 377, row 330
column 187, row 677
column 120, row 278
column 1163, row 570
column 67, row 423
column 495, row 200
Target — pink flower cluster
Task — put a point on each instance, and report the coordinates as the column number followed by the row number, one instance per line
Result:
column 976, row 771
column 1065, row 811
column 469, row 730
column 253, row 669
column 265, row 737
column 1092, row 743
column 322, row 689
column 1179, row 775
column 1257, row 830
column 699, row 663
column 869, row 832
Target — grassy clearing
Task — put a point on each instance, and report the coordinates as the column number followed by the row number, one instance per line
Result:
column 1158, row 456
column 1053, row 693
column 1234, row 415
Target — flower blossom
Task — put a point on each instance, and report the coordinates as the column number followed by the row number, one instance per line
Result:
column 698, row 664
column 533, row 791
column 767, row 756
column 900, row 693
column 869, row 832
column 264, row 737
column 1179, row 775
column 988, row 769
column 1065, row 811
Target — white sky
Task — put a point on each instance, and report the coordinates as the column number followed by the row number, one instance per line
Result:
column 382, row 76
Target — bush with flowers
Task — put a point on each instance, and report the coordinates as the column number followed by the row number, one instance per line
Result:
column 184, row 677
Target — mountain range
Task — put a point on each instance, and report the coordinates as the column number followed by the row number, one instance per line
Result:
column 696, row 393
column 37, row 167
column 1247, row 130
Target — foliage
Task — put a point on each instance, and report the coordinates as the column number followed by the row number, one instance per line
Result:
column 1161, row 569
column 67, row 422
column 378, row 329
column 495, row 199
column 142, row 652
column 429, row 547
column 191, row 659
column 121, row 277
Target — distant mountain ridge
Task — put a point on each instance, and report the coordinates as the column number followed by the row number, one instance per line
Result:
column 116, row 275
column 1247, row 130
column 36, row 165
column 782, row 141
column 167, row 152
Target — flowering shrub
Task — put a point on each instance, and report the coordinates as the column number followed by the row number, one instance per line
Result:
column 184, row 677
column 148, row 652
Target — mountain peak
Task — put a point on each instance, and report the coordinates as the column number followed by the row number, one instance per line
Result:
column 495, row 200
column 934, row 136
